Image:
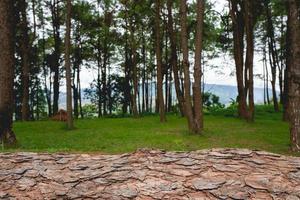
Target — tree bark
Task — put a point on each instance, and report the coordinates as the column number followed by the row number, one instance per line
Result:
column 55, row 12
column 7, row 66
column 272, row 54
column 185, row 63
column 238, row 46
column 287, row 72
column 249, row 24
column 134, row 71
column 25, row 51
column 294, row 81
column 68, row 66
column 198, row 113
column 159, row 62
column 174, row 58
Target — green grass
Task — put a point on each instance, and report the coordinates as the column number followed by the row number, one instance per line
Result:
column 121, row 135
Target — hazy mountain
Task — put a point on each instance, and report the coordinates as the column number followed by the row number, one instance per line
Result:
column 225, row 92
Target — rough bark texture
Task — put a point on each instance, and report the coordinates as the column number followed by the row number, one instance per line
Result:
column 185, row 63
column 151, row 175
column 25, row 51
column 238, row 36
column 198, row 113
column 286, row 104
column 249, row 24
column 68, row 66
column 134, row 74
column 294, row 81
column 55, row 14
column 273, row 55
column 6, row 71
column 174, row 59
column 243, row 22
column 159, row 62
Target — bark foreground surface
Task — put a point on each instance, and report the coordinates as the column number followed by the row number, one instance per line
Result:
column 149, row 174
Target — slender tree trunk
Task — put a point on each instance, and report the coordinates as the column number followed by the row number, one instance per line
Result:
column 6, row 71
column 238, row 37
column 294, row 86
column 249, row 22
column 25, row 51
column 174, row 58
column 144, row 75
column 170, row 91
column 264, row 79
column 272, row 54
column 185, row 52
column 99, row 81
column 75, row 92
column 147, row 92
column 55, row 12
column 104, row 83
column 159, row 61
column 267, row 82
column 134, row 71
column 198, row 113
column 287, row 73
column 166, row 65
column 68, row 66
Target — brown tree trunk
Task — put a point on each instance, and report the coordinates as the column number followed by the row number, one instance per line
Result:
column 25, row 51
column 159, row 62
column 144, row 76
column 294, row 81
column 55, row 14
column 198, row 113
column 238, row 46
column 68, row 66
column 174, row 58
column 6, row 71
column 249, row 24
column 287, row 72
column 272, row 54
column 185, row 52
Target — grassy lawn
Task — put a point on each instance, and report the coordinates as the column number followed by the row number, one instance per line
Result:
column 121, row 135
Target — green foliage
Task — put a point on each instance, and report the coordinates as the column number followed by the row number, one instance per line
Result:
column 211, row 100
column 89, row 110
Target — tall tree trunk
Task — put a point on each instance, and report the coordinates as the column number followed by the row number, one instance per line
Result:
column 185, row 52
column 267, row 82
column 99, row 90
column 174, row 58
column 198, row 113
column 159, row 61
column 170, row 91
column 80, row 99
column 287, row 72
column 25, row 51
column 55, row 12
column 144, row 75
column 6, row 71
column 134, row 71
column 294, row 86
column 68, row 66
column 238, row 46
column 272, row 54
column 249, row 24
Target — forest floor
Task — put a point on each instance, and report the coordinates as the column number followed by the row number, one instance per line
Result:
column 124, row 135
column 150, row 174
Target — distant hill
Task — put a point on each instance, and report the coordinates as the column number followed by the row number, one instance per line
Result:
column 228, row 92
column 225, row 92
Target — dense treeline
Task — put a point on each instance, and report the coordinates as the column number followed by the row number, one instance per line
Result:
column 138, row 52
